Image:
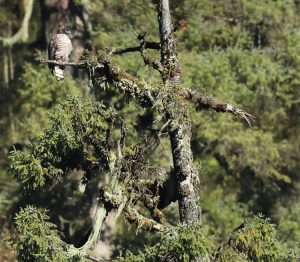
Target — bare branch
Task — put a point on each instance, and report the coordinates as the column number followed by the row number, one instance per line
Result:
column 148, row 45
column 53, row 62
column 206, row 102
column 151, row 62
column 248, row 117
column 145, row 96
column 134, row 87
column 120, row 51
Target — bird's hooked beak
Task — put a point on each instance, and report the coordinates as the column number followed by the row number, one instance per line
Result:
column 69, row 34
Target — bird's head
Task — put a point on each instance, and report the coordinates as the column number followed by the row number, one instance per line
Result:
column 67, row 31
column 64, row 30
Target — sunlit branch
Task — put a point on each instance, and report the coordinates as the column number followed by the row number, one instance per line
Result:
column 120, row 51
column 141, row 92
column 205, row 102
column 53, row 62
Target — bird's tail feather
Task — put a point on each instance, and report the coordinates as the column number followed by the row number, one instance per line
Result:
column 59, row 73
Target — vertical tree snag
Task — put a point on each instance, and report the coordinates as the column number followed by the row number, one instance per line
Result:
column 179, row 122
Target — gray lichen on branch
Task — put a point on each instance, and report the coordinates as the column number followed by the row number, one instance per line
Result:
column 146, row 96
column 205, row 102
column 144, row 223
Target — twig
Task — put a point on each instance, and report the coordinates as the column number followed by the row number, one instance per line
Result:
column 215, row 104
column 144, row 96
column 120, row 51
column 217, row 253
column 151, row 62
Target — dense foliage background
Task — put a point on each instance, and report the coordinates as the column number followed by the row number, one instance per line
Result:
column 246, row 52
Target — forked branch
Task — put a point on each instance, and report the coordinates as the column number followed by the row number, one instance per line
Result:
column 149, row 61
column 145, row 96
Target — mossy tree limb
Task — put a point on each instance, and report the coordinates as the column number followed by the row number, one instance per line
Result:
column 144, row 223
column 145, row 96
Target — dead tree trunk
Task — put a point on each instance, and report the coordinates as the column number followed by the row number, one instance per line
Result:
column 179, row 122
column 174, row 98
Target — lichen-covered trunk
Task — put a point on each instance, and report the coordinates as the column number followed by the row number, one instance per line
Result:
column 179, row 123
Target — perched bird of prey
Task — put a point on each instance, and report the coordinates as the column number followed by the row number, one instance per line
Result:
column 59, row 49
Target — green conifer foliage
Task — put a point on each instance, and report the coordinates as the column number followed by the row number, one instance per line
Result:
column 77, row 138
column 243, row 51
column 38, row 239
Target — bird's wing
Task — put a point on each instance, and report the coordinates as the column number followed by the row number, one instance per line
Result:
column 69, row 46
column 52, row 46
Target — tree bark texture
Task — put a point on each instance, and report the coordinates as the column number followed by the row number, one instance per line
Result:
column 179, row 123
